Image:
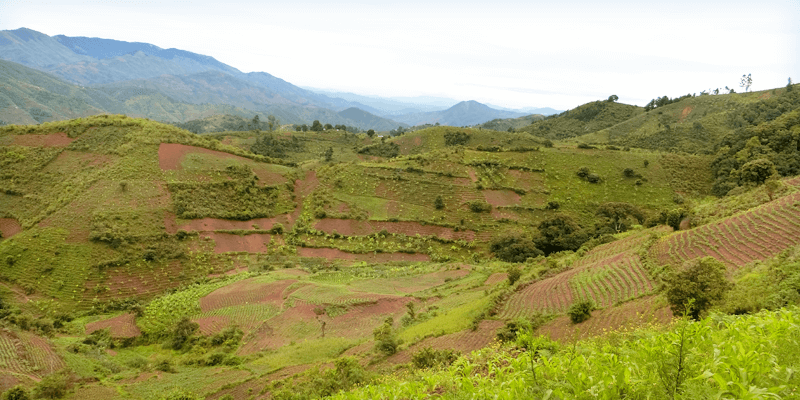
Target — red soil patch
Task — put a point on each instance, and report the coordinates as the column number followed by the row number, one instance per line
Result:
column 247, row 292
column 418, row 141
column 213, row 324
column 227, row 242
column 499, row 198
column 170, row 223
column 360, row 320
column 351, row 227
column 336, row 254
column 123, row 282
column 216, row 224
column 171, row 154
column 625, row 317
column 496, row 278
column 464, row 341
column 123, row 326
column 9, row 227
column 472, row 176
column 59, row 139
column 685, row 113
column 794, row 182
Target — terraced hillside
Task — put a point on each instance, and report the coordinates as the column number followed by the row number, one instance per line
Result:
column 141, row 257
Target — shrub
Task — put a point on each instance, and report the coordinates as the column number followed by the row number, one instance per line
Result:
column 16, row 393
column 479, row 206
column 385, row 338
column 703, row 282
column 438, row 203
column 629, row 173
column 583, row 172
column 53, row 386
column 429, row 357
column 580, row 311
column 276, row 229
column 180, row 394
column 514, row 273
column 593, row 178
column 455, row 138
column 586, row 146
column 553, row 205
column 508, row 333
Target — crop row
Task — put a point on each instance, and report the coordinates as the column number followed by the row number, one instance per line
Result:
column 246, row 316
column 755, row 235
column 26, row 355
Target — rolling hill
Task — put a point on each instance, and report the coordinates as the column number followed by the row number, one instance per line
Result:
column 140, row 259
column 462, row 114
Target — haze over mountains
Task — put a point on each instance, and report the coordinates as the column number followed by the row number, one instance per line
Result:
column 140, row 79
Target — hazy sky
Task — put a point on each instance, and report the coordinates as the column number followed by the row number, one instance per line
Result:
column 509, row 53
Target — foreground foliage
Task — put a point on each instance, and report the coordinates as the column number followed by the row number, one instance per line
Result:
column 742, row 357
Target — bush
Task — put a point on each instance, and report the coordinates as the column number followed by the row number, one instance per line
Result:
column 438, row 203
column 560, row 232
column 428, row 357
column 479, row 206
column 385, row 338
column 583, row 172
column 553, row 205
column 16, row 393
column 702, row 282
column 593, row 178
column 455, row 138
column 514, row 273
column 629, row 173
column 580, row 311
column 508, row 333
column 180, row 394
column 53, row 386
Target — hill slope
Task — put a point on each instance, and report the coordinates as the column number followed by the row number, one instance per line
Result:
column 462, row 114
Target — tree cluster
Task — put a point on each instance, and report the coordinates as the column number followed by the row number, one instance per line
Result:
column 663, row 101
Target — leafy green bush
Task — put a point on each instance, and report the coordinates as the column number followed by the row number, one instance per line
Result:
column 386, row 338
column 382, row 149
column 514, row 273
column 558, row 233
column 703, row 282
column 180, row 394
column 479, row 206
column 16, row 393
column 53, row 386
column 455, row 138
column 580, row 311
column 438, row 203
column 428, row 357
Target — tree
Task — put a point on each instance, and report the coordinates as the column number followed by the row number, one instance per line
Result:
column 757, row 171
column 273, row 122
column 438, row 203
column 515, row 248
column 514, row 273
column 746, row 82
column 316, row 126
column 328, row 126
column 256, row 122
column 789, row 85
column 620, row 216
column 560, row 232
column 703, row 280
column 184, row 329
column 385, row 337
column 580, row 311
column 328, row 154
column 371, row 133
column 613, row 98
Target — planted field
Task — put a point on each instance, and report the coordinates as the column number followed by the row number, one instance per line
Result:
column 22, row 353
column 122, row 326
column 463, row 342
column 637, row 313
column 351, row 227
column 607, row 275
column 9, row 227
column 496, row 278
column 757, row 234
column 246, row 316
column 170, row 155
column 249, row 291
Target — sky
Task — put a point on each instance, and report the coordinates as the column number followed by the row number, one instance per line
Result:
column 514, row 54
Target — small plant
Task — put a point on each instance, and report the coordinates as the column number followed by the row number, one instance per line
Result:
column 438, row 203
column 580, row 311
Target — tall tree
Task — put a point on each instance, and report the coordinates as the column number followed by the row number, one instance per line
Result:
column 746, row 82
column 273, row 122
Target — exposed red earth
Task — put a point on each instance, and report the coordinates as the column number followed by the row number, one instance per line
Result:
column 500, row 198
column 685, row 113
column 59, row 139
column 757, row 234
column 227, row 242
column 9, row 227
column 336, row 254
column 122, row 326
column 496, row 278
column 120, row 282
column 632, row 314
column 171, row 154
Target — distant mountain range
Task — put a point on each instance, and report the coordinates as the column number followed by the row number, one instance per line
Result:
column 175, row 85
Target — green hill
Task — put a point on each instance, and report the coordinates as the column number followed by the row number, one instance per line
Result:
column 141, row 259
